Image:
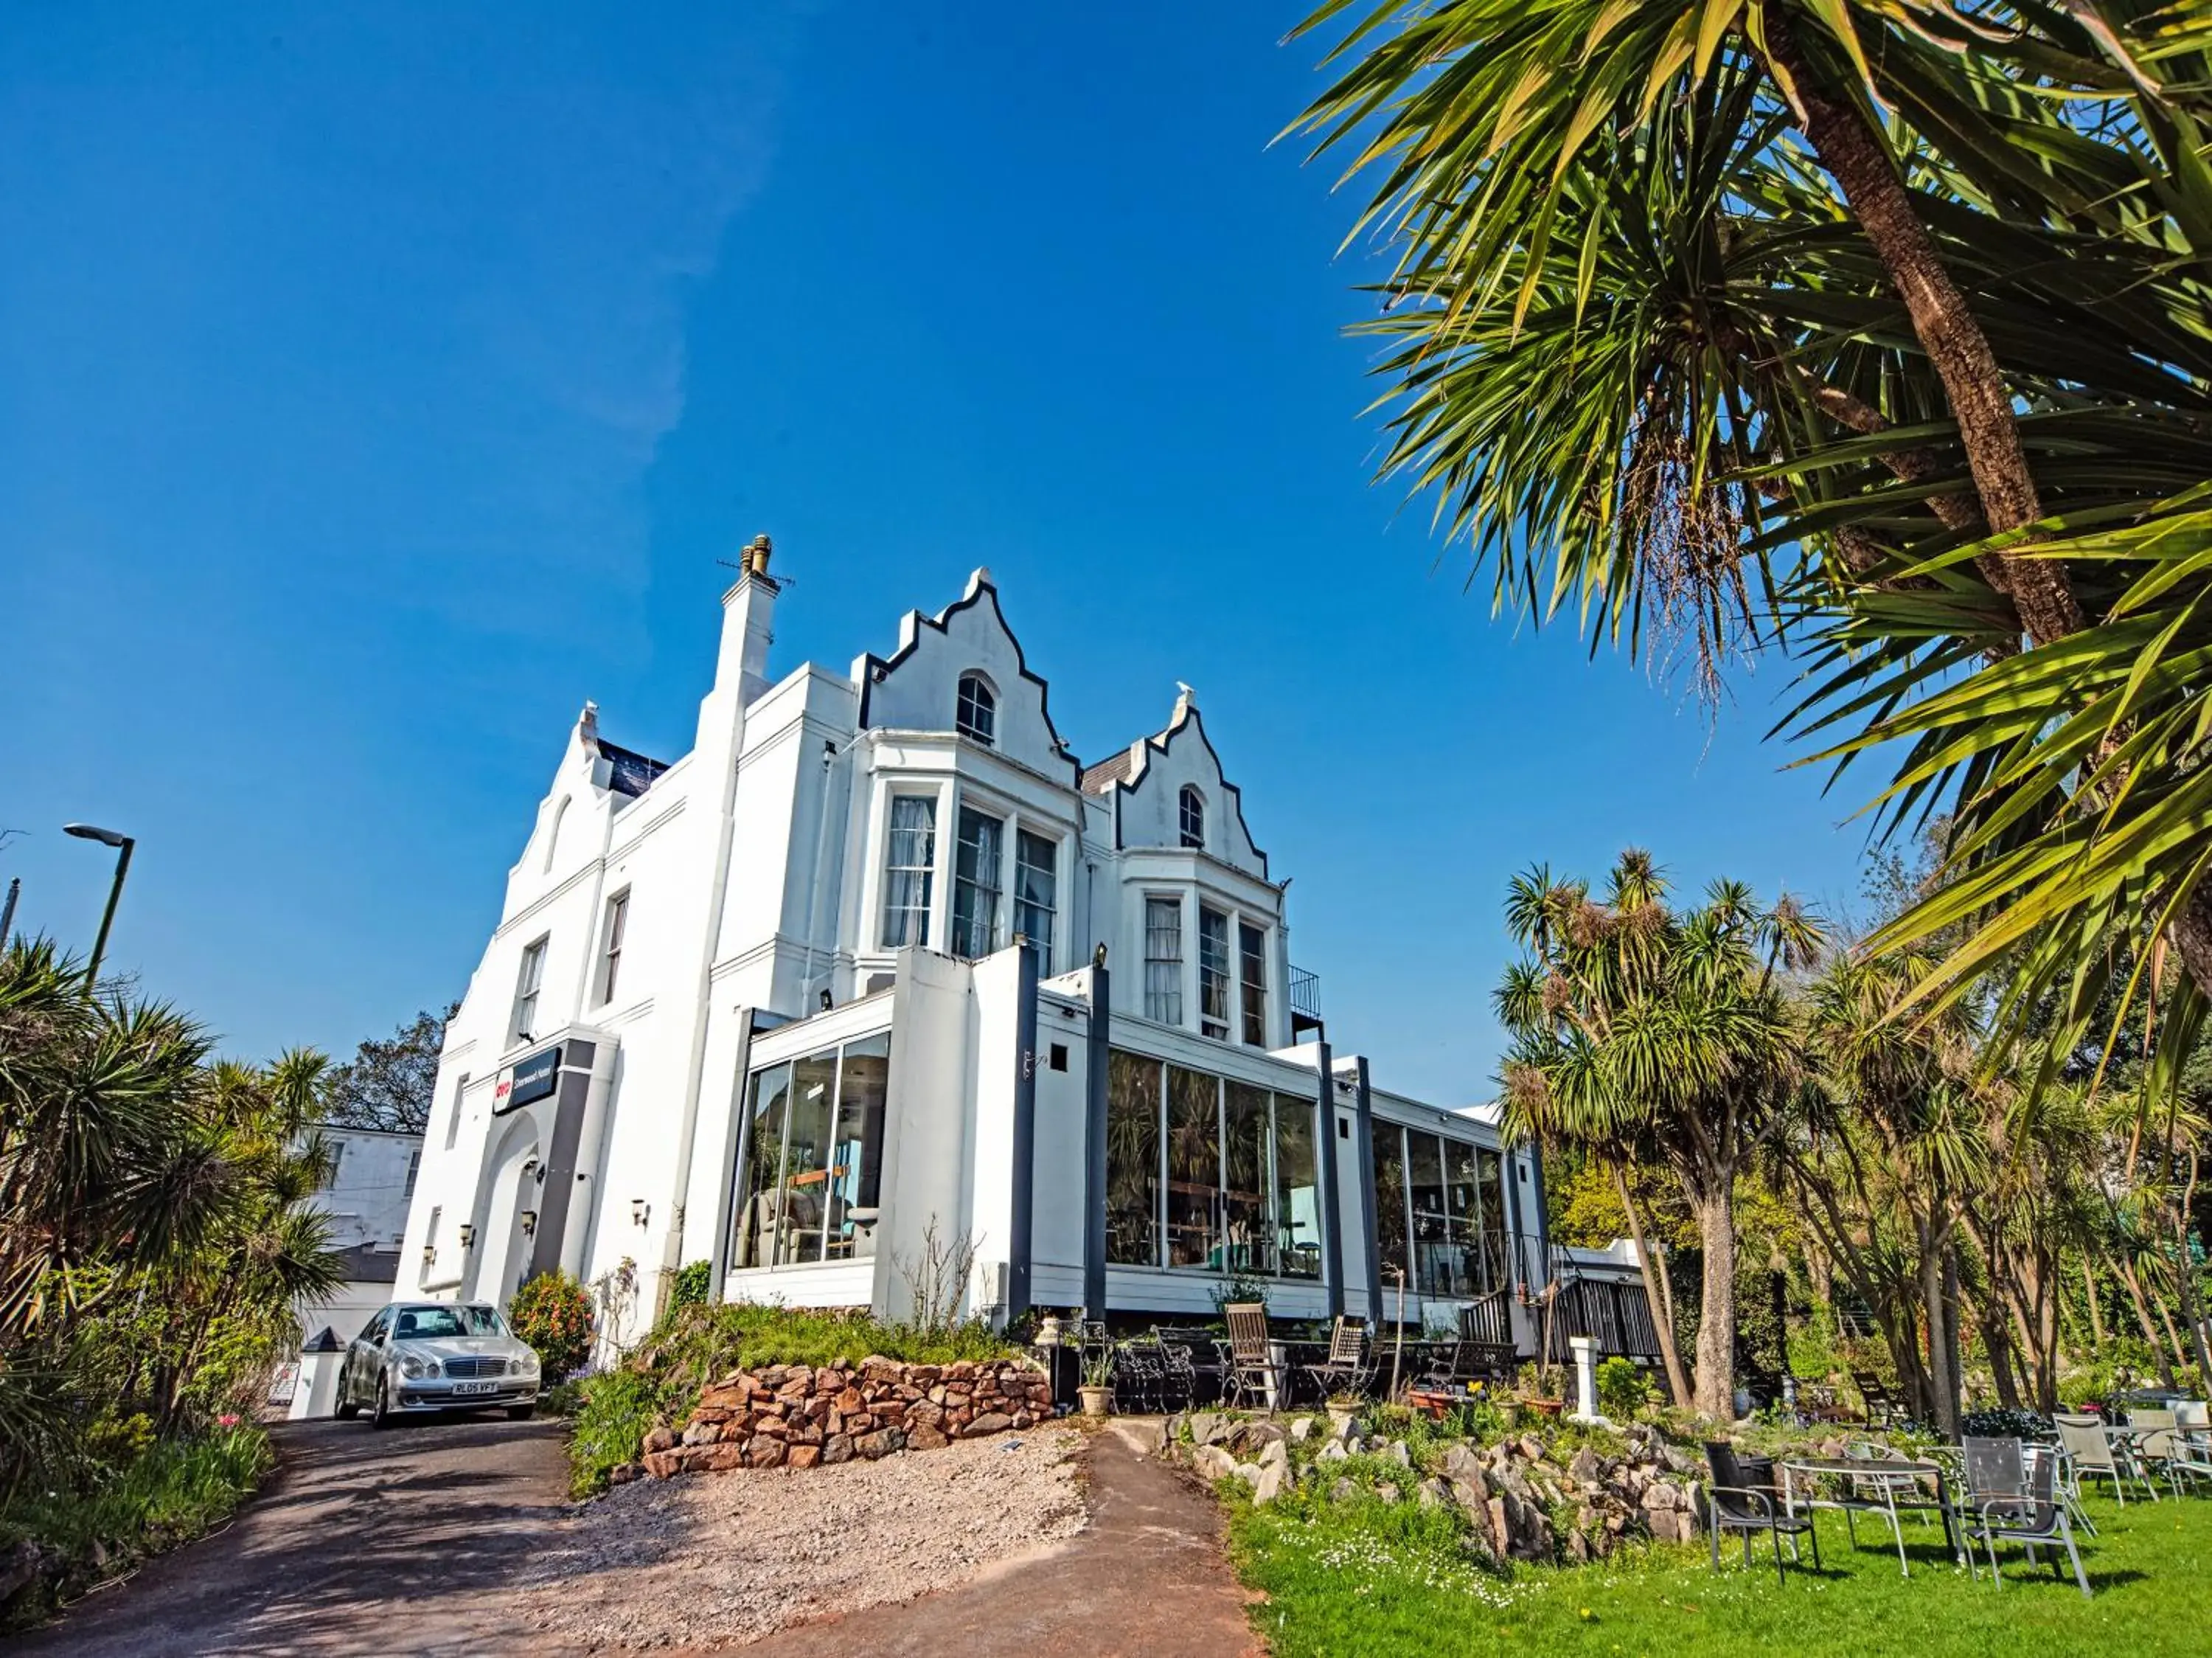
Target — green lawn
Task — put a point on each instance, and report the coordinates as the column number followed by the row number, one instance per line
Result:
column 1366, row 1577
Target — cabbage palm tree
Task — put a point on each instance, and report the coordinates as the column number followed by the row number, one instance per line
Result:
column 1635, row 1024
column 1817, row 316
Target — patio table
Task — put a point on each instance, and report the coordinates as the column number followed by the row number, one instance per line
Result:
column 1882, row 1479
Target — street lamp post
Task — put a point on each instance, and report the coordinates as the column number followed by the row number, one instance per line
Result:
column 123, row 844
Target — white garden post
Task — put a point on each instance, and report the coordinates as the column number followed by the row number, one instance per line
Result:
column 1585, row 1377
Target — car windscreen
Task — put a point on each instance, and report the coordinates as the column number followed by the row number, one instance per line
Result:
column 445, row 1323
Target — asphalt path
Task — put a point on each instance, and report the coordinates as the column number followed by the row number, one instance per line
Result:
column 398, row 1541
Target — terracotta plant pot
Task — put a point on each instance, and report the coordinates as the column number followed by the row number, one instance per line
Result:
column 1547, row 1408
column 1094, row 1400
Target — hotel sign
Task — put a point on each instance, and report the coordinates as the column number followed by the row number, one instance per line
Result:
column 532, row 1079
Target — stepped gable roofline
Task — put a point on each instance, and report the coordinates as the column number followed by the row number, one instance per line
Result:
column 1126, row 770
column 980, row 587
column 628, row 773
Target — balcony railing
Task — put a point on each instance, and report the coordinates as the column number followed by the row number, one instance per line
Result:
column 1305, row 1002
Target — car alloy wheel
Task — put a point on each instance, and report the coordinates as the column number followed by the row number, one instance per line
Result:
column 382, row 1416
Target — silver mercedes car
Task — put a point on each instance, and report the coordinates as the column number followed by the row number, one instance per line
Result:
column 436, row 1356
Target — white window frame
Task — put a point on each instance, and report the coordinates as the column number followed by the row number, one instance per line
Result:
column 529, row 989
column 1218, row 1028
column 1024, row 911
column 1161, row 987
column 1247, row 988
column 981, row 934
column 617, row 922
column 975, row 708
column 1190, row 839
column 916, row 928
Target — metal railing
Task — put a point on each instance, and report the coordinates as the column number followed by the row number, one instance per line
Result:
column 1305, row 1001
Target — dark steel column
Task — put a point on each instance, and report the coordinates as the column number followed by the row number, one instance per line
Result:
column 1022, row 1221
column 1094, row 1149
column 1367, row 1131
column 1332, row 1236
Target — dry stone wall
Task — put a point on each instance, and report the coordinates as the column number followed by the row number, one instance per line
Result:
column 797, row 1415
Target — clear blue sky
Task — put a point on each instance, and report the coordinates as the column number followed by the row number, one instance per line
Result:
column 379, row 383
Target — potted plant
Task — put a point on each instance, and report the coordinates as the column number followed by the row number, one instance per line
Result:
column 1097, row 1388
column 1342, row 1408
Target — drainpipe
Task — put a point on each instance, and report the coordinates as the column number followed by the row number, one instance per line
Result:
column 671, row 1254
column 1332, row 1236
column 733, row 1154
column 1021, row 1223
column 814, row 882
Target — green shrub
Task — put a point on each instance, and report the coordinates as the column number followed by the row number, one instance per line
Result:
column 172, row 1491
column 553, row 1314
column 689, row 1286
column 1623, row 1388
column 615, row 1410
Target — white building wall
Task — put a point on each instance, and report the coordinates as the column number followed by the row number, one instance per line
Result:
column 754, row 871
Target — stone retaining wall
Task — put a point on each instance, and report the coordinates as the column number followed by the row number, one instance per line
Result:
column 798, row 1416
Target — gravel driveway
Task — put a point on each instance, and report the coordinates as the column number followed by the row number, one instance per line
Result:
column 448, row 1538
column 708, row 1558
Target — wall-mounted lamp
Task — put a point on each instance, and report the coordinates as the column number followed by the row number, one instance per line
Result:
column 468, row 1235
column 529, row 1223
column 641, row 1212
column 429, row 1256
column 828, row 1001
column 533, row 1170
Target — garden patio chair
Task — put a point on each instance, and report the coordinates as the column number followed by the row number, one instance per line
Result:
column 2092, row 1453
column 1346, row 1369
column 1140, row 1374
column 1881, row 1407
column 1734, row 1503
column 1252, row 1368
column 2011, row 1499
column 1179, row 1375
column 2163, row 1444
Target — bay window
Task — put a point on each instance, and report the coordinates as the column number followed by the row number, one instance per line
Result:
column 1164, row 959
column 1252, row 983
column 1036, row 859
column 909, row 867
column 975, row 884
column 1212, row 972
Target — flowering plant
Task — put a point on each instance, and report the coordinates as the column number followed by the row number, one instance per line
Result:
column 553, row 1314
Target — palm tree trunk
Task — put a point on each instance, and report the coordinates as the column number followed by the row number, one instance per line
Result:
column 1657, row 1290
column 1940, row 1402
column 1716, row 1384
column 2125, row 1270
column 1958, row 351
column 2096, row 1313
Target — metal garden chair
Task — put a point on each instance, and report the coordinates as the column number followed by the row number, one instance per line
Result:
column 2011, row 1499
column 2093, row 1453
column 1734, row 1503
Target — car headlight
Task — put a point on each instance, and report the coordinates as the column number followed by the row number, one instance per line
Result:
column 528, row 1362
column 414, row 1369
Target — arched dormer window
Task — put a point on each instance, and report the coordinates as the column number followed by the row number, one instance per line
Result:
column 1193, row 819
column 977, row 715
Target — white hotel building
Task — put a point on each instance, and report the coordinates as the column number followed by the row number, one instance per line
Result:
column 880, row 960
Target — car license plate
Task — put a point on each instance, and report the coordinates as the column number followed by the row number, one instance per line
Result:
column 470, row 1389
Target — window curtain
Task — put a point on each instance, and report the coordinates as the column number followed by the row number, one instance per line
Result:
column 907, row 864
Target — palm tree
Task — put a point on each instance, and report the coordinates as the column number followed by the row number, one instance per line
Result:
column 1811, row 317
column 1638, row 1027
